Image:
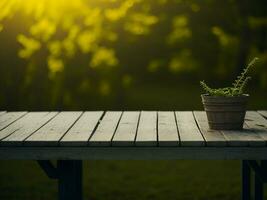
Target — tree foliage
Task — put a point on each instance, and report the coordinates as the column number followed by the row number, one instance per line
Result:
column 84, row 52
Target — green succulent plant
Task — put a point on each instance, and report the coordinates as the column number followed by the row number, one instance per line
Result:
column 238, row 86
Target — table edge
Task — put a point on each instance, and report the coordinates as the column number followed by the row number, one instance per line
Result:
column 133, row 153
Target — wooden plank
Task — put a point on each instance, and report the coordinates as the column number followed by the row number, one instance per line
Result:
column 25, row 127
column 212, row 137
column 82, row 130
column 126, row 131
column 2, row 112
column 52, row 132
column 147, row 129
column 263, row 113
column 9, row 118
column 257, row 122
column 133, row 153
column 189, row 133
column 167, row 129
column 245, row 137
column 14, row 126
column 106, row 129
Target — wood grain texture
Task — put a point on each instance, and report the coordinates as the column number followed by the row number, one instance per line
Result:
column 257, row 122
column 9, row 118
column 52, row 132
column 82, row 130
column 15, row 126
column 147, row 129
column 106, row 129
column 263, row 113
column 189, row 133
column 24, row 127
column 167, row 129
column 245, row 137
column 212, row 137
column 126, row 131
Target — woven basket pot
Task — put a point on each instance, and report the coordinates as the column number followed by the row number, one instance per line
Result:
column 225, row 113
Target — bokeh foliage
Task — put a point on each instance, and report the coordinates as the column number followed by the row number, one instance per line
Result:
column 86, row 54
column 127, row 54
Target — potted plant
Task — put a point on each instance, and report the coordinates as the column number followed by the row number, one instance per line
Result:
column 226, row 107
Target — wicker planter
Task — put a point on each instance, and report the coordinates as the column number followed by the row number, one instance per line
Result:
column 225, row 113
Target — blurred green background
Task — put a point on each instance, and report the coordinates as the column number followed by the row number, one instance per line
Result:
column 128, row 55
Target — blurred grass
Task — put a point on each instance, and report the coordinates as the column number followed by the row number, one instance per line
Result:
column 194, row 180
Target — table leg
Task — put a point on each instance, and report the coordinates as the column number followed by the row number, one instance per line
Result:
column 259, row 193
column 245, row 180
column 70, row 179
column 69, row 176
column 258, row 189
column 260, row 177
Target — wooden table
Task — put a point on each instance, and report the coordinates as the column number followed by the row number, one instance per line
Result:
column 70, row 137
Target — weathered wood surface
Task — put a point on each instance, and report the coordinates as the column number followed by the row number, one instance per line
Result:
column 82, row 130
column 105, row 131
column 8, row 118
column 212, row 137
column 167, row 129
column 2, row 112
column 257, row 122
column 52, row 132
column 12, row 122
column 189, row 133
column 245, row 137
column 126, row 131
column 133, row 129
column 147, row 129
column 263, row 113
column 25, row 127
